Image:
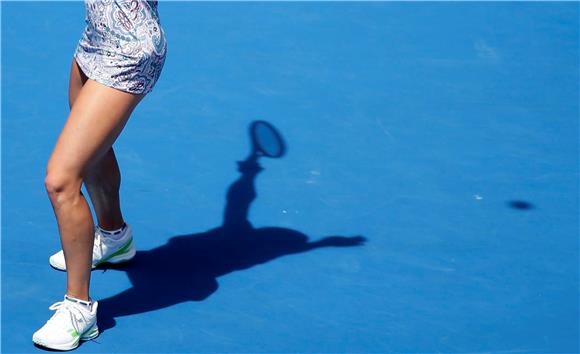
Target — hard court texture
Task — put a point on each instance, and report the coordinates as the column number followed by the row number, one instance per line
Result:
column 428, row 200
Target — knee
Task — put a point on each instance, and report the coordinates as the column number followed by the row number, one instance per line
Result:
column 61, row 186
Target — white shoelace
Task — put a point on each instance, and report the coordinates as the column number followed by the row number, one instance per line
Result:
column 66, row 313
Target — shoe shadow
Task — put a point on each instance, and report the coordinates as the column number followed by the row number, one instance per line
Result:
column 186, row 268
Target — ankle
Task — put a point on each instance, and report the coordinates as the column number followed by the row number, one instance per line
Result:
column 85, row 304
column 114, row 234
column 110, row 226
column 113, row 230
column 78, row 296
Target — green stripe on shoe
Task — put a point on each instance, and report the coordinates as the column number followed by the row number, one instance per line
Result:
column 119, row 252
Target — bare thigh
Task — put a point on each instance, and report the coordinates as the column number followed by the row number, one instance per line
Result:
column 76, row 81
column 97, row 116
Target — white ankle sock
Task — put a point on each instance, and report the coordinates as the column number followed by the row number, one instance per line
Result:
column 87, row 305
column 114, row 234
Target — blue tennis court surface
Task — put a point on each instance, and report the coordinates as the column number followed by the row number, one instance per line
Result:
column 428, row 200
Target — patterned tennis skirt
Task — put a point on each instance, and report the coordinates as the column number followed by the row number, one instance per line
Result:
column 123, row 45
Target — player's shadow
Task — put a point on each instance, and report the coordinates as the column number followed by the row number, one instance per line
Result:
column 187, row 266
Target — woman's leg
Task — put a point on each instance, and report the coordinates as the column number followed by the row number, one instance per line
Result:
column 75, row 83
column 103, row 182
column 97, row 117
column 104, row 179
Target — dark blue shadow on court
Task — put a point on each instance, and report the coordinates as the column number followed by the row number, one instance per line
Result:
column 520, row 205
column 186, row 268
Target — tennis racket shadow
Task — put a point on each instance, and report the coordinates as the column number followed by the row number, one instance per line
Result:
column 186, row 268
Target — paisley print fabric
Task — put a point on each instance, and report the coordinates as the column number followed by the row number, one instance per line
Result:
column 123, row 45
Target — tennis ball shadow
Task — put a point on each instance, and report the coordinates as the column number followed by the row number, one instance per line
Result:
column 186, row 268
column 520, row 205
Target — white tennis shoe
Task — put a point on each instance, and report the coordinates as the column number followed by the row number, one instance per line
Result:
column 71, row 323
column 105, row 249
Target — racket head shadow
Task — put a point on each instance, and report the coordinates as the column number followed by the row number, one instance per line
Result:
column 266, row 140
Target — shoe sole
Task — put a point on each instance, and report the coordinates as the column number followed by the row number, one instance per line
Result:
column 91, row 333
column 123, row 257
